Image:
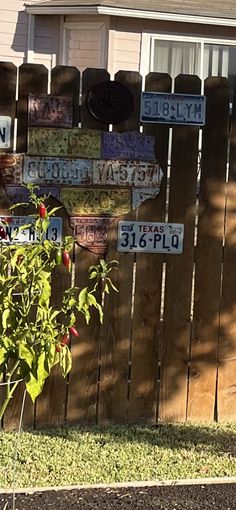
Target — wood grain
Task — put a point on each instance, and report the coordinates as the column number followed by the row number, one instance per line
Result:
column 65, row 81
column 209, row 251
column 83, row 379
column 147, row 301
column 33, row 78
column 117, row 327
column 179, row 268
column 226, row 394
column 51, row 404
column 8, row 77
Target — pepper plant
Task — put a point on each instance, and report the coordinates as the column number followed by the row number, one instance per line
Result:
column 34, row 334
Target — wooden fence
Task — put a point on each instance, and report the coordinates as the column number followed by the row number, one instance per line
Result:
column 167, row 349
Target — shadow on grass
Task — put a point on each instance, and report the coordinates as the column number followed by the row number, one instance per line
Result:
column 218, row 438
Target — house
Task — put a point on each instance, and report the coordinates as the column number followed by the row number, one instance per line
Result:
column 173, row 36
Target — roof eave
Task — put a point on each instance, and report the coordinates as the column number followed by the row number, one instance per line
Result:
column 43, row 9
column 130, row 13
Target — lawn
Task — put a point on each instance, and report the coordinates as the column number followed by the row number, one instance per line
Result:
column 82, row 455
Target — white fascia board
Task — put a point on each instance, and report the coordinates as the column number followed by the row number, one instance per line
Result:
column 131, row 13
column 166, row 16
column 33, row 9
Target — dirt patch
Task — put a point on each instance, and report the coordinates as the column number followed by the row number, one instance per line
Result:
column 189, row 497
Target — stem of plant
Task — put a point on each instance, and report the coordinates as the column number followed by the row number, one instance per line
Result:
column 10, row 390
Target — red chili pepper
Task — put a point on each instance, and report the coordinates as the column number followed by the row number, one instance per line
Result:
column 42, row 211
column 65, row 339
column 66, row 259
column 73, row 331
column 58, row 348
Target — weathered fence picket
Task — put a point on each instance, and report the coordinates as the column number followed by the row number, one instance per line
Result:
column 209, row 251
column 227, row 328
column 179, row 269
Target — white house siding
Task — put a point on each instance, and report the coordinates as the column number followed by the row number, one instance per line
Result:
column 14, row 34
column 86, row 39
column 46, row 41
column 124, row 51
column 82, row 48
column 125, row 38
column 13, row 31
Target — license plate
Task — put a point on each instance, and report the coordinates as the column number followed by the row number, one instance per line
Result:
column 75, row 142
column 12, row 173
column 173, row 108
column 19, row 194
column 9, row 230
column 57, row 171
column 96, row 201
column 5, row 132
column 126, row 173
column 48, row 110
column 91, row 232
column 148, row 237
column 129, row 145
column 139, row 196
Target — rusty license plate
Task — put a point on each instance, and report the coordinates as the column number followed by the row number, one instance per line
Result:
column 12, row 172
column 91, row 232
column 57, row 171
column 127, row 173
column 139, row 196
column 129, row 145
column 48, row 110
column 75, row 142
column 96, row 201
column 20, row 194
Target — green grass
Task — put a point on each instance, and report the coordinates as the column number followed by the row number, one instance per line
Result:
column 68, row 456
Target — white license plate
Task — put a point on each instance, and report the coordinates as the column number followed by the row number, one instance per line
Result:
column 5, row 132
column 150, row 237
column 9, row 230
column 173, row 108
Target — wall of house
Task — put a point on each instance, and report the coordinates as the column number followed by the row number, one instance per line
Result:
column 125, row 38
column 46, row 40
column 13, row 31
column 118, row 48
column 14, row 35
column 87, row 41
column 124, row 49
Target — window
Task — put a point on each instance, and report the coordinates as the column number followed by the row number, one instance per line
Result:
column 188, row 55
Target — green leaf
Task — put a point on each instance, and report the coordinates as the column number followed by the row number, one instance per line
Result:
column 112, row 284
column 50, row 357
column 93, row 274
column 83, row 297
column 65, row 360
column 50, row 213
column 106, row 289
column 3, row 355
column 93, row 302
column 68, row 243
column 103, row 265
column 45, row 287
column 26, row 353
column 36, row 378
column 33, row 386
column 14, row 206
column 5, row 317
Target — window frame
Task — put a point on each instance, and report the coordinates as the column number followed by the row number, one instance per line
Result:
column 148, row 42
